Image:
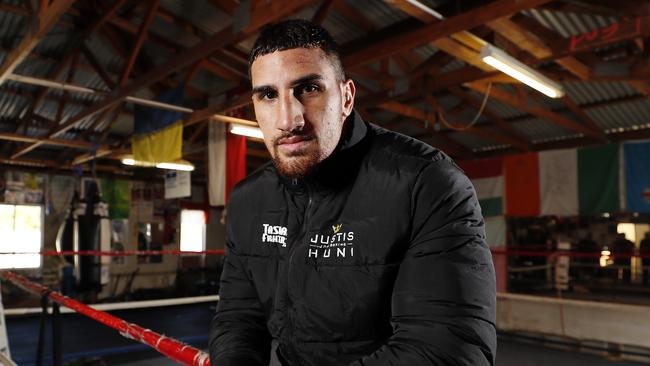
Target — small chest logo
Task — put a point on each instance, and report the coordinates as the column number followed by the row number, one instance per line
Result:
column 274, row 234
column 337, row 245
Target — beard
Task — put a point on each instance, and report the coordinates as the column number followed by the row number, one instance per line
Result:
column 298, row 165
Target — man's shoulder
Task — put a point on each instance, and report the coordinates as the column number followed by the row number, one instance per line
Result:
column 254, row 184
column 404, row 147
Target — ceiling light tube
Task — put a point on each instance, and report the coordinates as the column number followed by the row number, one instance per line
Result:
column 507, row 64
column 249, row 131
column 184, row 166
column 172, row 165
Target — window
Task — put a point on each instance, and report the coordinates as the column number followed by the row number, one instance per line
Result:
column 192, row 230
column 21, row 231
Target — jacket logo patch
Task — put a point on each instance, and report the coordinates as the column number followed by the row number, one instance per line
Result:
column 274, row 234
column 338, row 245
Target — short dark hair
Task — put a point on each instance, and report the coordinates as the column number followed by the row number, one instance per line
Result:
column 296, row 33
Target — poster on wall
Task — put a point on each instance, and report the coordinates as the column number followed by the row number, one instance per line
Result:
column 15, row 188
column 177, row 184
column 142, row 205
column 34, row 184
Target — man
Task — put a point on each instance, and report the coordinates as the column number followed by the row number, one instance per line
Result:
column 356, row 245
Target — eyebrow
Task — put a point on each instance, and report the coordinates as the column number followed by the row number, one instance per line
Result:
column 307, row 79
column 302, row 80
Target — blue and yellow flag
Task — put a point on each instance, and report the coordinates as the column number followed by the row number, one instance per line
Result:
column 158, row 133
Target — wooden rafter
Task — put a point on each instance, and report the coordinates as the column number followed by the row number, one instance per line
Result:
column 36, row 32
column 532, row 43
column 142, row 35
column 431, row 32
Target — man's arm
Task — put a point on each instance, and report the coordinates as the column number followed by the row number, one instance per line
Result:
column 238, row 333
column 444, row 298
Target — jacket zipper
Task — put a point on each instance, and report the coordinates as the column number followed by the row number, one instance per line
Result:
column 301, row 238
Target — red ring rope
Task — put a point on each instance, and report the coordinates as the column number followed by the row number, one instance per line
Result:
column 177, row 351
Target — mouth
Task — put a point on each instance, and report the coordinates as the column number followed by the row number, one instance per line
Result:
column 294, row 144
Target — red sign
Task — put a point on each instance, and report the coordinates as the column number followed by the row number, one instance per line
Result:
column 613, row 32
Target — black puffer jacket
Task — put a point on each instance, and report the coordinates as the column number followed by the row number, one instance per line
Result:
column 378, row 259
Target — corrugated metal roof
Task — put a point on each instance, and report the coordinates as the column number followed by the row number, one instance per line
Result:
column 568, row 24
column 470, row 141
column 538, row 129
column 501, row 109
column 110, row 60
column 625, row 115
column 595, row 92
column 379, row 13
column 342, row 29
column 203, row 15
column 426, row 51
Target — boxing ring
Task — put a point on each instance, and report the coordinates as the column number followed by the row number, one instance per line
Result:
column 169, row 347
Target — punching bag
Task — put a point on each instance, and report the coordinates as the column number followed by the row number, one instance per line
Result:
column 66, row 235
column 88, row 231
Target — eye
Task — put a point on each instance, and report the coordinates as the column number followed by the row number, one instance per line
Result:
column 307, row 88
column 268, row 95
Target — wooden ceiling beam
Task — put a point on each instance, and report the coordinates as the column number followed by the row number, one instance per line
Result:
column 536, row 46
column 431, row 32
column 36, row 32
column 142, row 35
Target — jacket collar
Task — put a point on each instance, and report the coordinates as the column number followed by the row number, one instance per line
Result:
column 355, row 130
column 343, row 160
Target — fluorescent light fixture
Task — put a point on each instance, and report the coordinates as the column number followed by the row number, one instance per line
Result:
column 185, row 166
column 172, row 165
column 246, row 131
column 507, row 64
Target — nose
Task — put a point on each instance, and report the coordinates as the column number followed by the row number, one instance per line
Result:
column 291, row 114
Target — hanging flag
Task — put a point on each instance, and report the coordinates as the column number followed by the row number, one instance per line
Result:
column 117, row 193
column 598, row 179
column 158, row 133
column 495, row 234
column 226, row 162
column 637, row 176
column 558, row 182
column 522, row 184
column 487, row 177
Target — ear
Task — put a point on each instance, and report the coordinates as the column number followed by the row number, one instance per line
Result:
column 348, row 91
